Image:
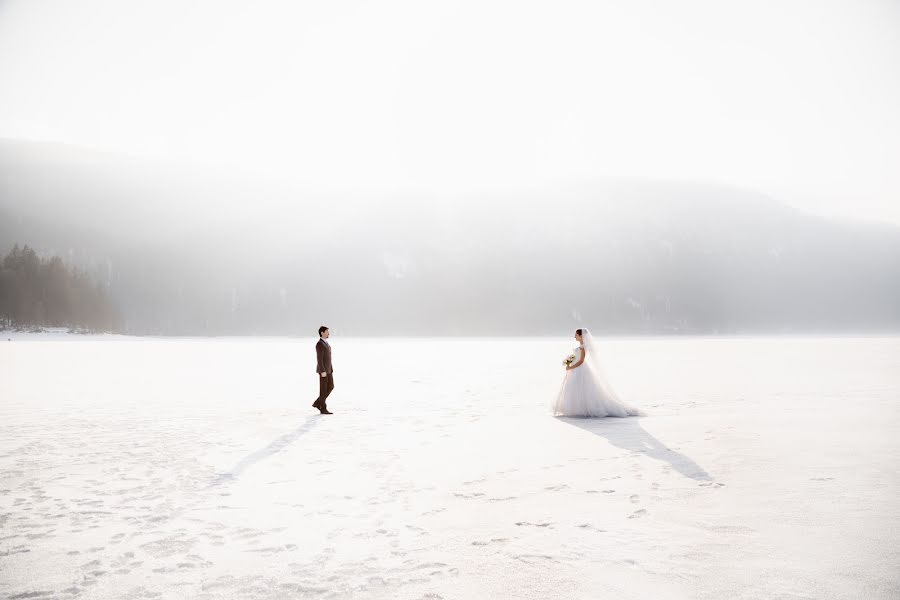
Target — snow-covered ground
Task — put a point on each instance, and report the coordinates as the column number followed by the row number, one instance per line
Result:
column 766, row 468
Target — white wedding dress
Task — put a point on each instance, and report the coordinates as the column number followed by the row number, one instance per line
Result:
column 585, row 391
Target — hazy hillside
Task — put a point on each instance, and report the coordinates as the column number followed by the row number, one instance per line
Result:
column 206, row 252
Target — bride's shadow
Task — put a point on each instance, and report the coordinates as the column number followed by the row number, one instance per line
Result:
column 629, row 435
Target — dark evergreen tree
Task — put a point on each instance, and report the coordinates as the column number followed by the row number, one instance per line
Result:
column 36, row 292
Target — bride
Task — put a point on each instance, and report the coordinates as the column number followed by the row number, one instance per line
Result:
column 585, row 391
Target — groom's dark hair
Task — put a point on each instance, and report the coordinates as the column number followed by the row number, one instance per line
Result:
column 321, row 329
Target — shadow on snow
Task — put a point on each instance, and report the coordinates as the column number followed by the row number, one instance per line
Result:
column 276, row 446
column 628, row 434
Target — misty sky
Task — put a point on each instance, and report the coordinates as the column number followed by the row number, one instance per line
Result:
column 795, row 99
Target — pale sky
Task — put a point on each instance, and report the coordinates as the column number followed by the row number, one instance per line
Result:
column 796, row 99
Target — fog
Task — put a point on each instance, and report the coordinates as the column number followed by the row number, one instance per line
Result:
column 463, row 168
column 626, row 256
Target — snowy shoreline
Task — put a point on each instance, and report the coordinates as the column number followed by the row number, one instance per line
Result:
column 58, row 334
column 64, row 334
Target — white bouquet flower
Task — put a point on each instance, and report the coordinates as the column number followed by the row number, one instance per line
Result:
column 570, row 359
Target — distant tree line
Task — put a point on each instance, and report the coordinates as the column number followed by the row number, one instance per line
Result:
column 39, row 292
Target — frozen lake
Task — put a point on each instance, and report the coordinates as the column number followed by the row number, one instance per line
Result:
column 767, row 468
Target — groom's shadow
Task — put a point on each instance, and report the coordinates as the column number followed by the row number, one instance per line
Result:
column 276, row 446
column 629, row 435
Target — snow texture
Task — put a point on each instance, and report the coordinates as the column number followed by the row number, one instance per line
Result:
column 766, row 468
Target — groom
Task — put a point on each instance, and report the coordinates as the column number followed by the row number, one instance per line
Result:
column 324, row 370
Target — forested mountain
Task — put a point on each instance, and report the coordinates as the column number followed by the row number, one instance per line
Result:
column 201, row 252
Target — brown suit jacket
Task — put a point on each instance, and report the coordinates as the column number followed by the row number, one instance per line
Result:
column 323, row 357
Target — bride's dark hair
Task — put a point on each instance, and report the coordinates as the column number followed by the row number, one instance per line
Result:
column 579, row 332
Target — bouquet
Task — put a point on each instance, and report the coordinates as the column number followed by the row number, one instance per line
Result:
column 570, row 359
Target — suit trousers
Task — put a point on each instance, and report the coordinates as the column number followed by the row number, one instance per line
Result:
column 326, row 384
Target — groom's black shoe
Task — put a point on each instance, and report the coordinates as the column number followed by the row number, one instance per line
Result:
column 324, row 410
column 316, row 404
